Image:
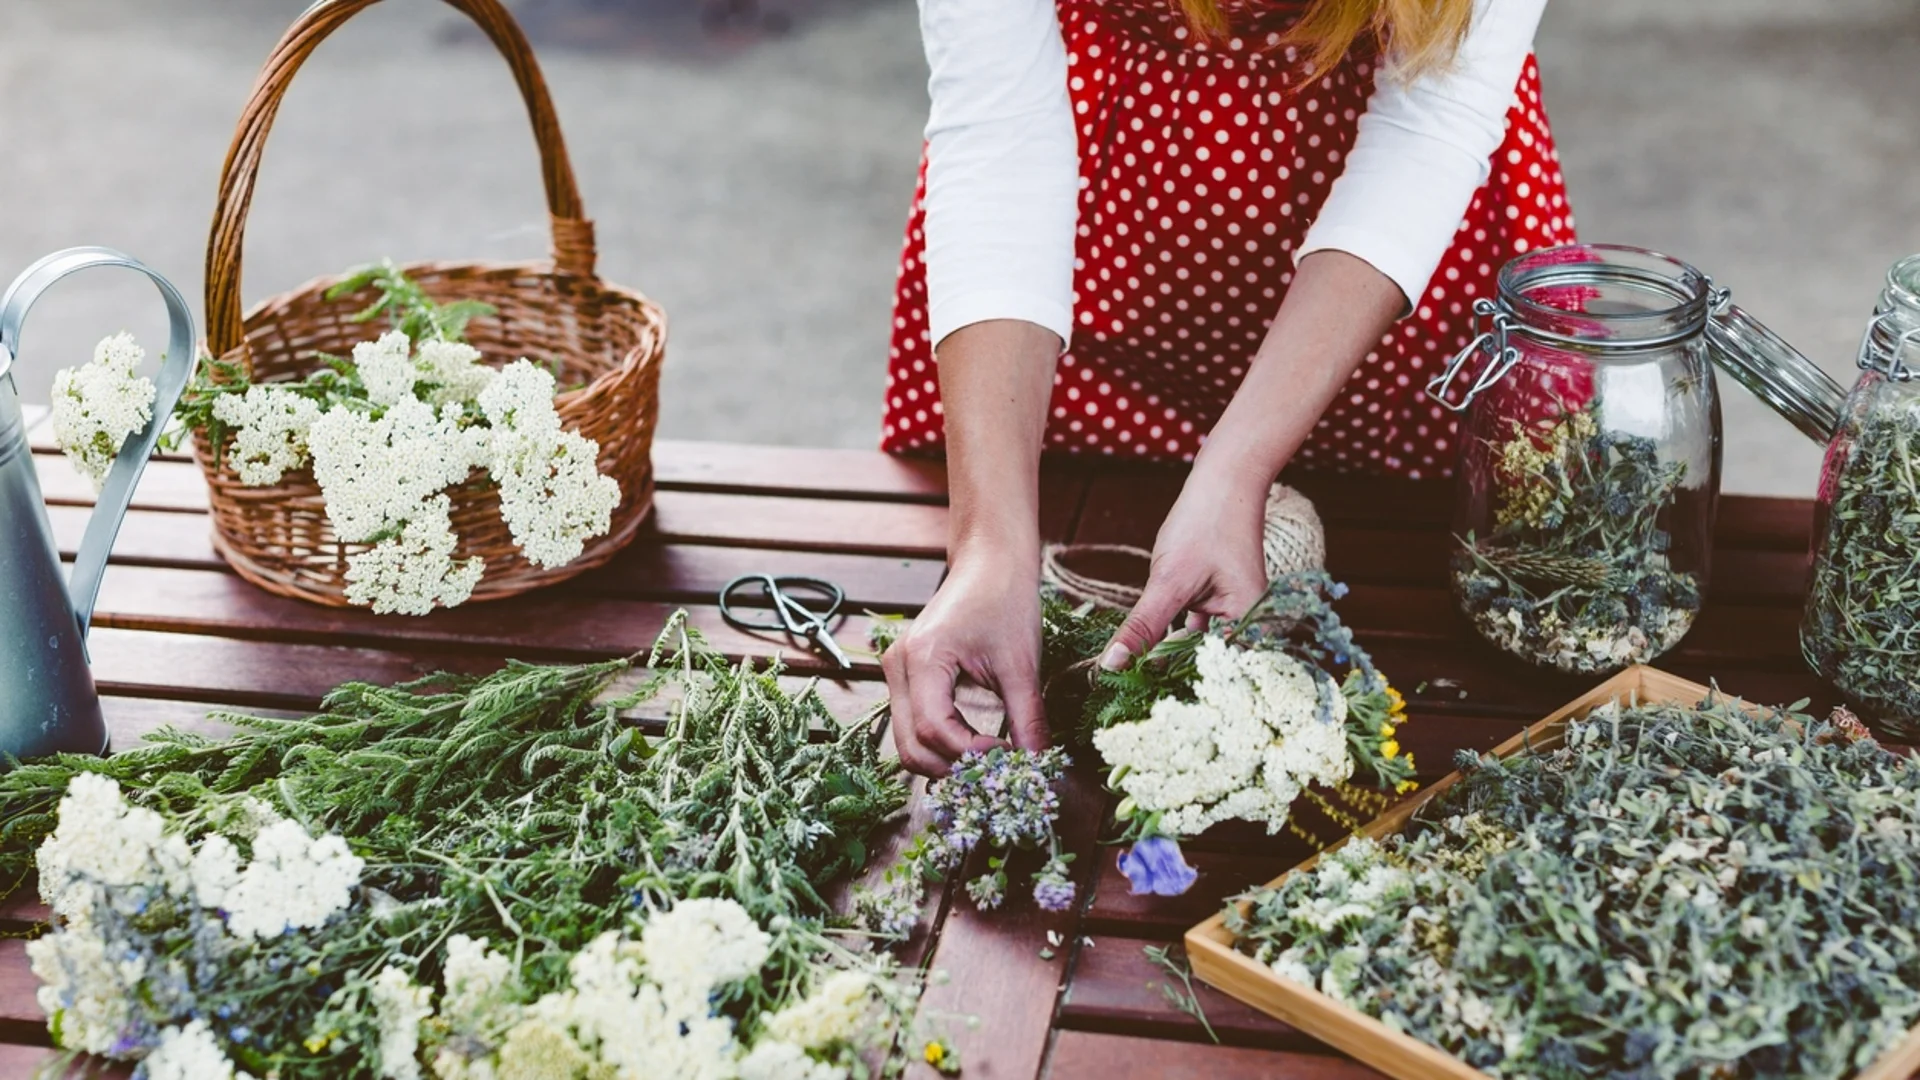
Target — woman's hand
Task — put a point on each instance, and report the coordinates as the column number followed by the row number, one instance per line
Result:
column 983, row 623
column 1207, row 559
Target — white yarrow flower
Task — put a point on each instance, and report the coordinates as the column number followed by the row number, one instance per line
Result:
column 834, row 1013
column 270, row 426
column 376, row 474
column 552, row 494
column 453, row 370
column 701, row 944
column 399, row 1007
column 386, row 368
column 1243, row 749
column 772, row 1059
column 293, row 882
column 97, row 405
column 190, row 1053
column 415, row 572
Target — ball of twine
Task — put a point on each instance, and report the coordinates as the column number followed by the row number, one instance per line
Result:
column 1292, row 540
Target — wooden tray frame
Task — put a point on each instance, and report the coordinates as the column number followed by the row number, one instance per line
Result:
column 1216, row 961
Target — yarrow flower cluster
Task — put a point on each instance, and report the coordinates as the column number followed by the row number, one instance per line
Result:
column 98, row 404
column 1235, row 723
column 1244, row 747
column 552, row 494
column 387, row 432
column 1004, row 798
column 145, row 919
column 646, row 1008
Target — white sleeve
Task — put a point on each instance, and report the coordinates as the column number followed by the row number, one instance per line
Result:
column 1003, row 172
column 1423, row 149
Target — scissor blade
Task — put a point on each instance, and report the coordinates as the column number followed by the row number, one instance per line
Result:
column 832, row 648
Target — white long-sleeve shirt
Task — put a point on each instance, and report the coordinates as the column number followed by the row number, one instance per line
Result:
column 1003, row 168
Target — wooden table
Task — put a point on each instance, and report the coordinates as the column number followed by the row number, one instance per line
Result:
column 176, row 634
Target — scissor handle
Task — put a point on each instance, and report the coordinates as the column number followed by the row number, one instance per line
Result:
column 790, row 613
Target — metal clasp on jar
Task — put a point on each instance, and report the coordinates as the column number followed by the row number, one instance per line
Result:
column 1492, row 342
column 1890, row 364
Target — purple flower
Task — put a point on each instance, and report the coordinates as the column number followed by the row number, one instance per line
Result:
column 1154, row 865
column 1052, row 889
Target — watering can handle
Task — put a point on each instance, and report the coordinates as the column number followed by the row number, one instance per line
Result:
column 90, row 563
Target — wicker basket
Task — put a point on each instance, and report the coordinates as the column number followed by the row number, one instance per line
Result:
column 606, row 340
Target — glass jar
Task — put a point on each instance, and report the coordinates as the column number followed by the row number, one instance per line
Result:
column 1861, row 628
column 1589, row 454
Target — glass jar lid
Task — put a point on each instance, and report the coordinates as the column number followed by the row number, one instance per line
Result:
column 1893, row 336
column 1610, row 299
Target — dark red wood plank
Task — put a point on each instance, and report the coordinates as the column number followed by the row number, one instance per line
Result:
column 165, row 485
column 21, row 1018
column 1114, row 988
column 540, row 625
column 1084, row 1055
column 19, row 1062
column 787, row 521
column 991, row 961
column 735, row 467
column 695, row 573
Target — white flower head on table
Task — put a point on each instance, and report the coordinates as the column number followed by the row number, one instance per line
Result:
column 1251, row 739
column 98, row 404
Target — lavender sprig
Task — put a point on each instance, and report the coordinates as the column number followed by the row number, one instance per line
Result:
column 1005, row 799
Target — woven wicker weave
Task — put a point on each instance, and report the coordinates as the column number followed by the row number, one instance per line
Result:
column 606, row 340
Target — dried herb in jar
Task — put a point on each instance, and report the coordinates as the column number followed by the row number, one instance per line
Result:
column 1575, row 573
column 1862, row 626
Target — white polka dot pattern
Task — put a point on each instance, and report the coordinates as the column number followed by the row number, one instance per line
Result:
column 1201, row 168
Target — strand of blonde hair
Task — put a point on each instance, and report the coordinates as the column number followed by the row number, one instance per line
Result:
column 1418, row 35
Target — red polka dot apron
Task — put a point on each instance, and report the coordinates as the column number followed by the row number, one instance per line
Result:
column 1201, row 167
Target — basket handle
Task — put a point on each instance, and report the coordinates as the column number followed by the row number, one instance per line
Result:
column 573, row 245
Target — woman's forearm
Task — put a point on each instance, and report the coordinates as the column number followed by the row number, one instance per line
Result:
column 1335, row 312
column 996, row 379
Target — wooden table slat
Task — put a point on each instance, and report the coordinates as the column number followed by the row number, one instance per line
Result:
column 1116, row 989
column 576, row 625
column 1084, row 1055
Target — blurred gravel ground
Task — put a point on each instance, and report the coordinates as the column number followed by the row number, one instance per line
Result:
column 751, row 169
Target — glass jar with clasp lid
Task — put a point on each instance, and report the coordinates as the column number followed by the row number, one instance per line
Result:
column 1589, row 453
column 1861, row 626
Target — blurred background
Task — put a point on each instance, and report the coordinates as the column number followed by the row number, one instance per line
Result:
column 749, row 165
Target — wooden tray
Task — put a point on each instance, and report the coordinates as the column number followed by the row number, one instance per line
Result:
column 1215, row 960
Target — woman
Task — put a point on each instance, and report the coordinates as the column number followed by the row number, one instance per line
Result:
column 1240, row 235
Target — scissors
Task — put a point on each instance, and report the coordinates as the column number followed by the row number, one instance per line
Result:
column 789, row 614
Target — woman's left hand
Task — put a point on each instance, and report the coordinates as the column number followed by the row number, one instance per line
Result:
column 1207, row 559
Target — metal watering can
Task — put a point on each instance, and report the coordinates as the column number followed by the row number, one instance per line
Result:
column 48, row 703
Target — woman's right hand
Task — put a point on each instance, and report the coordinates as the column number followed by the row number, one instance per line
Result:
column 983, row 623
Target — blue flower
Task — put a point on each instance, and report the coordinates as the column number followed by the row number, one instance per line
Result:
column 1154, row 865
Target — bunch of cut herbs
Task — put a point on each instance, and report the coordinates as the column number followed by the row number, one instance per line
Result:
column 472, row 877
column 1719, row 891
column 1576, row 572
column 1862, row 625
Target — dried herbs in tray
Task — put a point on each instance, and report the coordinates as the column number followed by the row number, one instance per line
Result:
column 1656, row 888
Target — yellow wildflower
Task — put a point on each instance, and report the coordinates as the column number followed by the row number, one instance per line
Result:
column 317, row 1043
column 1390, row 749
column 1396, row 705
column 1405, row 786
column 942, row 1057
column 1387, row 730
